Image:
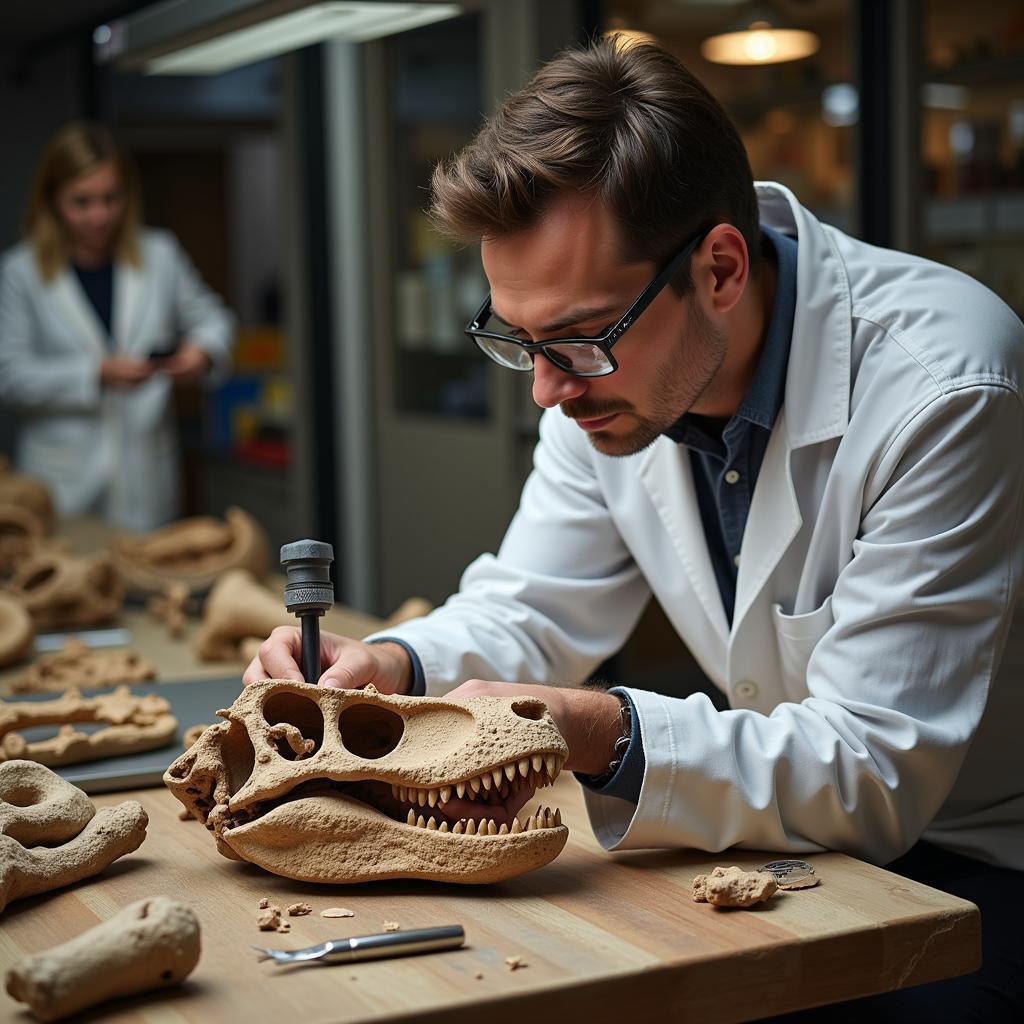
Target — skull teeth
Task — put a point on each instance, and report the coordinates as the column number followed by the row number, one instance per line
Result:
column 542, row 818
column 535, row 771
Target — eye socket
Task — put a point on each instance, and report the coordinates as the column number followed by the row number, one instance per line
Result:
column 532, row 709
column 370, row 731
column 294, row 709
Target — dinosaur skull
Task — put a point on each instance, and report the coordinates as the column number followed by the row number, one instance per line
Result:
column 326, row 785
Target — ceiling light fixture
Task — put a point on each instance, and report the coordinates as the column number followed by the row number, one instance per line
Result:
column 761, row 39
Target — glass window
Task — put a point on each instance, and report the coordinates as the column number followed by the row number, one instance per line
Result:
column 796, row 116
column 972, row 141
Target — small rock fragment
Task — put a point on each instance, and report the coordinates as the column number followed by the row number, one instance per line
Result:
column 734, row 887
column 264, row 903
column 268, row 920
column 337, row 912
column 392, row 926
column 479, row 976
column 299, row 910
column 514, row 963
column 284, row 926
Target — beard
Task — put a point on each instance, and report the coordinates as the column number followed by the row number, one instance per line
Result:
column 685, row 378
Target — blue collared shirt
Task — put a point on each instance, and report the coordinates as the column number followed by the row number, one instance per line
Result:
column 726, row 458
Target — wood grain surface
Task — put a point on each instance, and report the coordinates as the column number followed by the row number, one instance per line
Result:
column 605, row 937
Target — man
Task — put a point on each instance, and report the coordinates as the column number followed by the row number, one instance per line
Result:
column 804, row 446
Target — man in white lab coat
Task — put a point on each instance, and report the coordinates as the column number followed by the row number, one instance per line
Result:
column 805, row 447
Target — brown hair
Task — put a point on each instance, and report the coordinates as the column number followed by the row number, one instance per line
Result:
column 627, row 123
column 73, row 150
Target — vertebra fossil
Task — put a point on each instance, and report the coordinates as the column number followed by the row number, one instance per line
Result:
column 60, row 591
column 327, row 785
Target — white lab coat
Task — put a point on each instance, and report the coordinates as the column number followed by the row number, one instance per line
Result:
column 92, row 446
column 877, row 579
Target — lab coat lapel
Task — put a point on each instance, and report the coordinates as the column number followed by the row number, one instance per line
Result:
column 128, row 290
column 72, row 305
column 772, row 523
column 667, row 475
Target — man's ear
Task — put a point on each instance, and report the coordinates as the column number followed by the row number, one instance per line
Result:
column 722, row 265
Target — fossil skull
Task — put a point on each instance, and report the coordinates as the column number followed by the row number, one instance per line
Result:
column 327, row 785
column 60, row 591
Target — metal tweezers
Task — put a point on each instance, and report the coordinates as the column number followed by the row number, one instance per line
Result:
column 371, row 947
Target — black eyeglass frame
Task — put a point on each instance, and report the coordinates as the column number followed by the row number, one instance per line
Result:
column 604, row 341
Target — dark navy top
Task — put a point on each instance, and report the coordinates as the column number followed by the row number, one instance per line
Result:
column 98, row 285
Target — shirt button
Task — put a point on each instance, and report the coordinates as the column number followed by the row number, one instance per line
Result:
column 746, row 689
column 732, row 477
column 736, row 560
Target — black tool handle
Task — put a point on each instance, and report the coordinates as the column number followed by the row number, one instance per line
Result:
column 308, row 592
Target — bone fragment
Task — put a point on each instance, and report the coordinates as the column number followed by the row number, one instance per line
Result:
column 264, row 903
column 269, row 920
column 299, row 910
column 56, row 837
column 16, row 631
column 135, row 723
column 391, row 926
column 171, row 608
column 734, row 887
column 514, row 963
column 153, row 943
column 192, row 733
column 337, row 912
column 79, row 666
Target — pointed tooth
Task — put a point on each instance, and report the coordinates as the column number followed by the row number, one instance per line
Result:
column 471, row 827
column 400, row 792
column 444, row 827
column 516, row 827
column 486, row 781
column 503, row 831
column 531, row 824
column 419, row 797
column 492, row 829
column 551, row 764
column 558, row 816
column 432, row 797
column 458, row 828
column 411, row 817
column 460, row 789
column 496, row 775
column 537, row 760
column 444, row 794
column 549, row 818
column 394, row 790
column 421, row 822
column 510, row 770
column 431, row 824
column 475, row 783
column 524, row 767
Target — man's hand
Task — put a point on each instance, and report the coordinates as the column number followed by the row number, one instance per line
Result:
column 188, row 365
column 124, row 372
column 588, row 719
column 350, row 663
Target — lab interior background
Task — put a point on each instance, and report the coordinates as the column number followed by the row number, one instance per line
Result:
column 357, row 412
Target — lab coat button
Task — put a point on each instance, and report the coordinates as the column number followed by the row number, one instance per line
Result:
column 732, row 477
column 736, row 560
column 746, row 689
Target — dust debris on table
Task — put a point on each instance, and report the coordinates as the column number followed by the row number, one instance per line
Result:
column 337, row 912
column 515, row 963
column 299, row 910
column 392, row 926
column 269, row 919
column 264, row 903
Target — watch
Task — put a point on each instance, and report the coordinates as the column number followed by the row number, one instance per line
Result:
column 621, row 744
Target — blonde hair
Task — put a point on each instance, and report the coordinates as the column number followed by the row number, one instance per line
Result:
column 76, row 149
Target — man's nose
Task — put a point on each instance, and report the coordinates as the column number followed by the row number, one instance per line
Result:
column 552, row 386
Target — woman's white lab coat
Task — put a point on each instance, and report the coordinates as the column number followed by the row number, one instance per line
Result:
column 93, row 446
column 877, row 580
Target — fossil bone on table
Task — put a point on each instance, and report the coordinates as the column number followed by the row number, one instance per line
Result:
column 603, row 937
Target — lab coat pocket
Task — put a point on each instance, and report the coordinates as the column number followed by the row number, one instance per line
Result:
column 797, row 636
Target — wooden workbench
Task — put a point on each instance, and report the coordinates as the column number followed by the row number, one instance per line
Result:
column 606, row 937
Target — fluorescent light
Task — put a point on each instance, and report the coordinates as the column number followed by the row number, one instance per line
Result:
column 350, row 20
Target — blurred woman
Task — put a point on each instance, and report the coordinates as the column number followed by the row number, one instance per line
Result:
column 99, row 319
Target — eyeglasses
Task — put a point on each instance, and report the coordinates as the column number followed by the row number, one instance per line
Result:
column 581, row 357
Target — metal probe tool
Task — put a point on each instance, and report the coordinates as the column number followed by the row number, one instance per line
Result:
column 308, row 593
column 371, row 947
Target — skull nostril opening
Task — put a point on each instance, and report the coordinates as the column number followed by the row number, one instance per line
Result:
column 531, row 709
column 38, row 578
column 297, row 725
column 22, row 796
column 370, row 731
